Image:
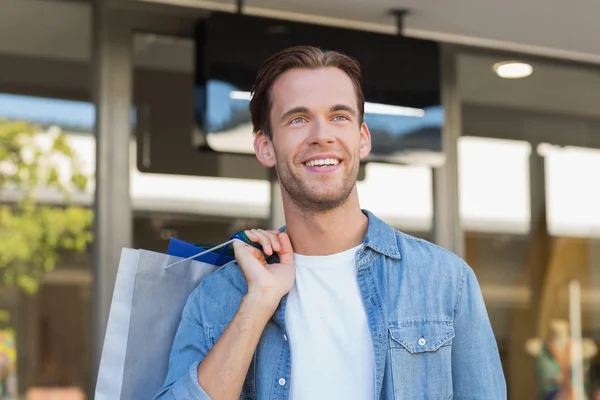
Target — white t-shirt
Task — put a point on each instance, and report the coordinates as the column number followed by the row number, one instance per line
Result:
column 331, row 345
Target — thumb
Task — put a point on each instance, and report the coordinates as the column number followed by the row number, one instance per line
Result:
column 286, row 254
column 244, row 252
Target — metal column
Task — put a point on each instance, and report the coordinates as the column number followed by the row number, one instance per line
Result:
column 112, row 55
column 447, row 229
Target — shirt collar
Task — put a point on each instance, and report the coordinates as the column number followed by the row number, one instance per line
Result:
column 381, row 237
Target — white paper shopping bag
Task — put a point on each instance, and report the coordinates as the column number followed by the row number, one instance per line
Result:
column 149, row 296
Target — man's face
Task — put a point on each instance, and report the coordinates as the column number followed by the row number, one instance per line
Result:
column 318, row 141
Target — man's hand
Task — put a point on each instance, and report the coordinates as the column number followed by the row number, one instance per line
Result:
column 267, row 283
column 222, row 372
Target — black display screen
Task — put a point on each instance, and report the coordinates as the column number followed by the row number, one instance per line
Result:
column 401, row 82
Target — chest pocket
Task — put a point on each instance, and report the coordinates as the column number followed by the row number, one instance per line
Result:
column 421, row 360
column 249, row 388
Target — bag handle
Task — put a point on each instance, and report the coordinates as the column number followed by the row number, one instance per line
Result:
column 203, row 252
column 239, row 236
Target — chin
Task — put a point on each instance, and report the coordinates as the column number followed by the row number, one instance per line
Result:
column 330, row 194
column 327, row 201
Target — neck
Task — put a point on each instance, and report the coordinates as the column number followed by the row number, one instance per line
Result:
column 328, row 232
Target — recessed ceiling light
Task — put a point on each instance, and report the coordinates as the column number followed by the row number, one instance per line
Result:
column 513, row 69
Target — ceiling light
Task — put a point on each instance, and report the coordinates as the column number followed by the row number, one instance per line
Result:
column 513, row 69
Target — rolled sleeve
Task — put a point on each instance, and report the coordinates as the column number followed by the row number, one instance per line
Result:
column 188, row 388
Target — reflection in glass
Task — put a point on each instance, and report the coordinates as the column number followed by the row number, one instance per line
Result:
column 399, row 134
column 538, row 265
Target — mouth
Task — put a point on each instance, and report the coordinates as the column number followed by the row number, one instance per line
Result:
column 323, row 164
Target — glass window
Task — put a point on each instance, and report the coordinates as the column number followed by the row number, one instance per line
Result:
column 530, row 208
column 572, row 190
column 400, row 195
column 494, row 184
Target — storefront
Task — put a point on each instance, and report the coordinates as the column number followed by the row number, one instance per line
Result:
column 517, row 196
column 537, row 259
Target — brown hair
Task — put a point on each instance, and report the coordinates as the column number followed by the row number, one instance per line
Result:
column 298, row 57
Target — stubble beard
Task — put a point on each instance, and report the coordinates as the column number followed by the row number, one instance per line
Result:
column 305, row 197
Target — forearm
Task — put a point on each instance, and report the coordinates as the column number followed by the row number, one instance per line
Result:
column 222, row 373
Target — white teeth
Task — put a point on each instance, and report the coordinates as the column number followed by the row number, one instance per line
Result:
column 326, row 161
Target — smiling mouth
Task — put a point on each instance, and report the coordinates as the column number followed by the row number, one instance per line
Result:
column 326, row 162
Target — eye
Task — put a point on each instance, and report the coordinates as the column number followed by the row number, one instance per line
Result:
column 341, row 118
column 297, row 120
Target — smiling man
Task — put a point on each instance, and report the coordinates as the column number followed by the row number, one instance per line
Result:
column 340, row 305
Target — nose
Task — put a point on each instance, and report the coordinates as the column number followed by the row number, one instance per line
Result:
column 320, row 132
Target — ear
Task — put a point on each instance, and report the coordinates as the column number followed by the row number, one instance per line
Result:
column 365, row 141
column 263, row 148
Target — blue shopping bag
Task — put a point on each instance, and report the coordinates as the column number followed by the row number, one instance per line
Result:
column 218, row 255
column 210, row 254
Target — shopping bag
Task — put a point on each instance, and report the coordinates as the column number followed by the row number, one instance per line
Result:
column 150, row 293
column 210, row 254
column 110, row 374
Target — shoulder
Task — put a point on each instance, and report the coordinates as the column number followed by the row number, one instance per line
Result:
column 431, row 261
column 217, row 297
column 421, row 279
column 418, row 255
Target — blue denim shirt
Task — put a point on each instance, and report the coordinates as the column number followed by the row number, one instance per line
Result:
column 431, row 332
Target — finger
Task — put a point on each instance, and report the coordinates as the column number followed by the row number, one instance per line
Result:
column 255, row 237
column 246, row 259
column 264, row 240
column 286, row 254
column 273, row 237
column 244, row 252
column 251, row 235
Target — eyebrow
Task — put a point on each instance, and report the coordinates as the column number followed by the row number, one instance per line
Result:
column 301, row 109
column 343, row 107
column 292, row 111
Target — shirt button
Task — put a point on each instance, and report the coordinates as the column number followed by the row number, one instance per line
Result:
column 281, row 382
column 422, row 342
column 285, row 337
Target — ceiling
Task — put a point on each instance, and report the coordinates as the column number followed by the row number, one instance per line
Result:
column 560, row 28
column 551, row 88
column 61, row 30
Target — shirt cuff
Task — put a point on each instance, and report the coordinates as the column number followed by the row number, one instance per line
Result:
column 188, row 388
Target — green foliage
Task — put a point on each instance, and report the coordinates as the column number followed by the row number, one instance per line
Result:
column 33, row 236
